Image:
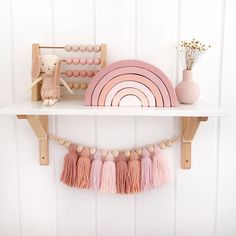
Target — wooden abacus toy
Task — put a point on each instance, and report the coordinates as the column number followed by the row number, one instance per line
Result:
column 95, row 59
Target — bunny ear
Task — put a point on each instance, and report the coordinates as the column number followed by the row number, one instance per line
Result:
column 58, row 71
column 35, row 70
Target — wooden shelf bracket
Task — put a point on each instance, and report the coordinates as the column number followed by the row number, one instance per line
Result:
column 189, row 129
column 39, row 124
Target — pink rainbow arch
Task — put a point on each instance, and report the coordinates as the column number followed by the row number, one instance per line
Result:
column 139, row 76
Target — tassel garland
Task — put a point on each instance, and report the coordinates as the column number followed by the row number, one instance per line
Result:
column 96, row 171
column 123, row 172
column 108, row 181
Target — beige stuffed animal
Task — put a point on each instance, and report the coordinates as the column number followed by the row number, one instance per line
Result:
column 47, row 69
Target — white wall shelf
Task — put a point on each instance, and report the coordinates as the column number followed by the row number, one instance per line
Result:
column 37, row 116
column 76, row 107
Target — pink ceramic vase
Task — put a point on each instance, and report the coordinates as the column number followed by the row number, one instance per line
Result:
column 187, row 90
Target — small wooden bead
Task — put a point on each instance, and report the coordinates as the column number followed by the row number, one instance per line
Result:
column 104, row 153
column 150, row 148
column 67, row 47
column 82, row 48
column 76, row 60
column 75, row 48
column 115, row 153
column 83, row 73
column 68, row 73
column 90, row 73
column 61, row 141
column 90, row 61
column 76, row 85
column 75, row 73
column 97, row 61
column 89, row 48
column 162, row 145
column 168, row 143
column 68, row 60
column 127, row 153
column 139, row 151
column 79, row 148
column 67, row 144
column 70, row 85
column 83, row 86
column 92, row 151
column 82, row 61
column 97, row 48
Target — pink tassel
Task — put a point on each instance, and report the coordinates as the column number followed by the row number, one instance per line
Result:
column 121, row 173
column 108, row 181
column 146, row 171
column 83, row 169
column 69, row 173
column 161, row 173
column 96, row 171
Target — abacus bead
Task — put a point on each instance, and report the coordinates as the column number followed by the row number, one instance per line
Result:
column 89, row 48
column 83, row 86
column 115, row 153
column 79, row 148
column 75, row 73
column 70, row 85
column 68, row 60
column 76, row 60
column 67, row 47
column 92, row 151
column 82, row 61
column 67, row 144
column 83, row 73
column 76, row 85
column 82, row 48
column 90, row 73
column 97, row 48
column 97, row 61
column 69, row 73
column 127, row 153
column 139, row 151
column 162, row 145
column 90, row 61
column 75, row 48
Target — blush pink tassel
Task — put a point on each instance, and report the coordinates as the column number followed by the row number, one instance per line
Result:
column 83, row 169
column 134, row 172
column 121, row 173
column 146, row 171
column 108, row 180
column 161, row 173
column 69, row 173
column 96, row 171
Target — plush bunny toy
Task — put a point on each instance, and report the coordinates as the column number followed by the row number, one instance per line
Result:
column 47, row 68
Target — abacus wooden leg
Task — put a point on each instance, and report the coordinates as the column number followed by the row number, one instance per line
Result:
column 189, row 129
column 39, row 124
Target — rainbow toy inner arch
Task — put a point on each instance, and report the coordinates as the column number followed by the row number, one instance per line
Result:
column 130, row 83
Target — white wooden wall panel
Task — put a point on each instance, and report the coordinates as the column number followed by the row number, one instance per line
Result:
column 226, row 207
column 199, row 201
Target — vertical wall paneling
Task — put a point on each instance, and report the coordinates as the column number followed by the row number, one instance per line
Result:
column 156, row 39
column 115, row 26
column 196, row 189
column 9, row 213
column 36, row 182
column 226, row 212
column 76, row 209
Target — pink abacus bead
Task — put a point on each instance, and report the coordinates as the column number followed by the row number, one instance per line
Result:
column 68, row 60
column 75, row 48
column 76, row 60
column 69, row 73
column 89, row 48
column 90, row 73
column 82, row 48
column 90, row 61
column 83, row 73
column 67, row 47
column 76, row 73
column 97, row 48
column 97, row 61
column 82, row 61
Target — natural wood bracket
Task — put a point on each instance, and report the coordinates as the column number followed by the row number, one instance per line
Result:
column 189, row 128
column 39, row 124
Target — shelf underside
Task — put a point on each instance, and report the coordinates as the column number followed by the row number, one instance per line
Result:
column 76, row 107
